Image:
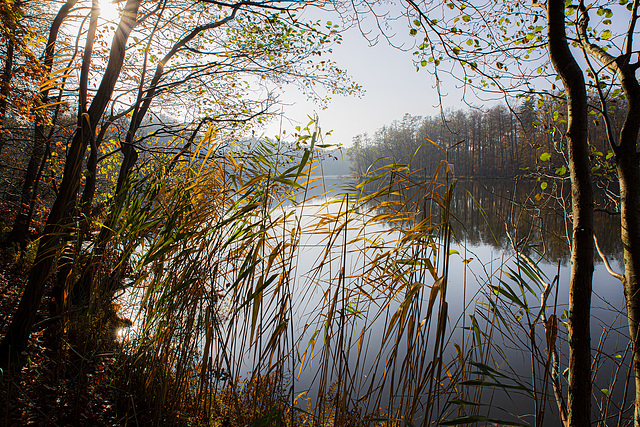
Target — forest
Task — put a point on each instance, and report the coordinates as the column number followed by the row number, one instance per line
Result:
column 165, row 262
column 496, row 143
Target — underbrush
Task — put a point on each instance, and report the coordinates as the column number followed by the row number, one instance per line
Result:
column 222, row 294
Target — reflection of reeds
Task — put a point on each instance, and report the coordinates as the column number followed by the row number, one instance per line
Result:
column 257, row 304
column 228, row 325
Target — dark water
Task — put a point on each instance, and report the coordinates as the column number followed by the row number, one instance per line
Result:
column 494, row 221
column 490, row 210
column 497, row 214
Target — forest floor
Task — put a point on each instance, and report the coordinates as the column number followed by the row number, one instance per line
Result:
column 52, row 388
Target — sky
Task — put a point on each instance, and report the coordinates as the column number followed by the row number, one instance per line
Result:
column 392, row 88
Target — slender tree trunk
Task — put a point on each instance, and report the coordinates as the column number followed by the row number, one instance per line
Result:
column 629, row 179
column 626, row 158
column 143, row 103
column 82, row 288
column 5, row 89
column 5, row 82
column 16, row 338
column 579, row 399
column 20, row 231
column 58, row 291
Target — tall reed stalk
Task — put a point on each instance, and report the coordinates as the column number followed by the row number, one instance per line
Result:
column 255, row 303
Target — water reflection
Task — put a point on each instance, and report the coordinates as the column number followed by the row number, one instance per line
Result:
column 502, row 213
column 337, row 306
column 492, row 217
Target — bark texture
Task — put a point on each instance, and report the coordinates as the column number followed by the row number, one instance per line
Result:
column 629, row 179
column 627, row 166
column 579, row 399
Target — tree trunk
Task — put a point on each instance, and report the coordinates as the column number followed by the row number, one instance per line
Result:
column 629, row 178
column 5, row 89
column 579, row 399
column 82, row 288
column 16, row 338
column 626, row 158
column 58, row 291
column 5, row 81
column 20, row 230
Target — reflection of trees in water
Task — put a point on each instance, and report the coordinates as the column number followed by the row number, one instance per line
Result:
column 497, row 207
column 498, row 212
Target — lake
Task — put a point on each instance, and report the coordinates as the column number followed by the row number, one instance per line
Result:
column 358, row 320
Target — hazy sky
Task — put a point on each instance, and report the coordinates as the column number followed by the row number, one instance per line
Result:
column 392, row 87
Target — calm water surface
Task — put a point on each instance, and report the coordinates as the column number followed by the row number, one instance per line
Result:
column 489, row 218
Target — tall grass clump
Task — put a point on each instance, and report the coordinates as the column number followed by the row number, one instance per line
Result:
column 254, row 303
column 515, row 367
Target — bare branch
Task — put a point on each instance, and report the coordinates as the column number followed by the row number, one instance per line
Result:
column 606, row 262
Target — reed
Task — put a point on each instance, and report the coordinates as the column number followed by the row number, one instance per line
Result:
column 231, row 327
column 254, row 303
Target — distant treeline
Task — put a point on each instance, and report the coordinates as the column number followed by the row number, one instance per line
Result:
column 498, row 142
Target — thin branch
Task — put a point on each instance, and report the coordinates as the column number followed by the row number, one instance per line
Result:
column 606, row 261
column 632, row 28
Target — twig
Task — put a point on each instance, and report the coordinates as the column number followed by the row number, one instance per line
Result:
column 606, row 262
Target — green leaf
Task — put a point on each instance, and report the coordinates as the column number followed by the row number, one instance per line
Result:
column 465, row 402
column 545, row 157
column 543, row 185
column 561, row 170
column 606, row 35
column 466, row 18
column 456, row 50
column 605, row 391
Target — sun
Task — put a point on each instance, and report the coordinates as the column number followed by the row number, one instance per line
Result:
column 109, row 10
